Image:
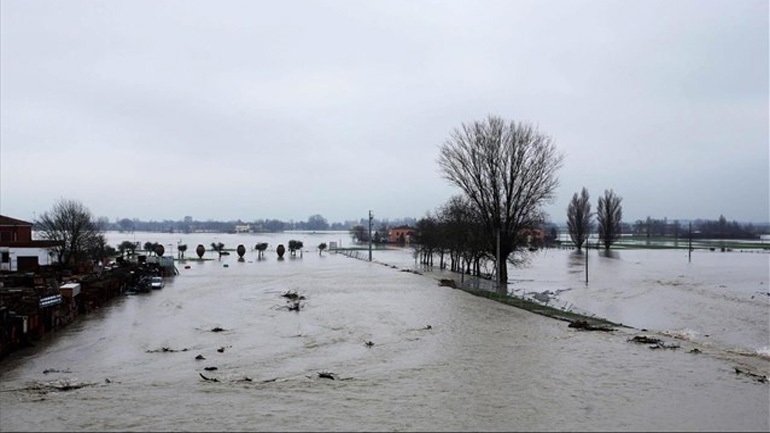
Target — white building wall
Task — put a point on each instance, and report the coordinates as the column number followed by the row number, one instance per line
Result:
column 43, row 258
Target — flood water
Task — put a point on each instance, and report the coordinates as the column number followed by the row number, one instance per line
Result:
column 441, row 359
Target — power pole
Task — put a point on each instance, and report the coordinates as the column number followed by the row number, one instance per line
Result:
column 586, row 261
column 370, row 235
column 499, row 280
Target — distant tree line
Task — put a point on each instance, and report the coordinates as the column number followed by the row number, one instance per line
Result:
column 720, row 228
column 188, row 225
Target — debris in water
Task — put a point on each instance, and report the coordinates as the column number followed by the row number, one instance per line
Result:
column 369, row 344
column 655, row 343
column 643, row 339
column 200, row 357
column 583, row 324
column 221, row 349
column 293, row 295
column 760, row 377
column 53, row 370
column 166, row 349
column 210, row 379
column 217, row 329
column 210, row 368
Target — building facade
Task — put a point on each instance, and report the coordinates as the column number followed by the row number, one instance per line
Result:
column 18, row 251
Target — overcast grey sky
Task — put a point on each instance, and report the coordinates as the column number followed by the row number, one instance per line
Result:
column 285, row 109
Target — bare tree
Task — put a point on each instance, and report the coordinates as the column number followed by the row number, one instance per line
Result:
column 218, row 247
column 579, row 218
column 72, row 225
column 181, row 250
column 260, row 247
column 609, row 215
column 508, row 171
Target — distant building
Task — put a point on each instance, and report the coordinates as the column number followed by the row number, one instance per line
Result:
column 243, row 228
column 535, row 236
column 401, row 235
column 18, row 252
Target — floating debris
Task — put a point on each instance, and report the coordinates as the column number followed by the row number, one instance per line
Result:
column 217, row 329
column 293, row 295
column 166, row 349
column 221, row 349
column 369, row 344
column 57, row 385
column 643, row 339
column 209, row 379
column 695, row 350
column 295, row 306
column 53, row 370
column 655, row 343
column 583, row 324
column 326, row 375
column 428, row 327
column 200, row 357
column 210, row 368
column 759, row 377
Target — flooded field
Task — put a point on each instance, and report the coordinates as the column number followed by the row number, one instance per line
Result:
column 375, row 348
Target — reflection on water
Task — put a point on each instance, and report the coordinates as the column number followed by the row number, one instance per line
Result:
column 441, row 359
column 609, row 254
column 577, row 262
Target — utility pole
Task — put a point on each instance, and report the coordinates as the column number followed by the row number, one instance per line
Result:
column 586, row 262
column 689, row 244
column 370, row 235
column 499, row 268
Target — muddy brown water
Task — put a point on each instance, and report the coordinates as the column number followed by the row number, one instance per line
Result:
column 441, row 359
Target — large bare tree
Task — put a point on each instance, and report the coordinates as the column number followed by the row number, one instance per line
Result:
column 507, row 169
column 609, row 214
column 579, row 218
column 72, row 224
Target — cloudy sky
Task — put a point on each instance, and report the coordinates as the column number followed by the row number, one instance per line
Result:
column 284, row 109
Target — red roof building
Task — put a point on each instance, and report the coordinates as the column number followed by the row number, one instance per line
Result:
column 18, row 251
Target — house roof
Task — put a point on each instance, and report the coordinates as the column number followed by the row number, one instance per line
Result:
column 8, row 221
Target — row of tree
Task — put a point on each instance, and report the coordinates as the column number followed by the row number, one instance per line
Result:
column 720, row 228
column 609, row 214
column 189, row 225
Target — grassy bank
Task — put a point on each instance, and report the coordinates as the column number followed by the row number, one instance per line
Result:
column 489, row 293
column 533, row 306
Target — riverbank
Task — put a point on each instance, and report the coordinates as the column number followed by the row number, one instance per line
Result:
column 754, row 363
column 36, row 305
column 486, row 289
